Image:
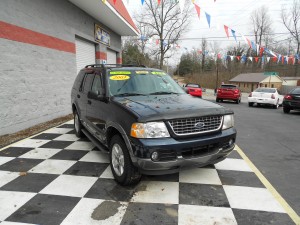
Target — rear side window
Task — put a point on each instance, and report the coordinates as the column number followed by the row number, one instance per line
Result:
column 81, row 88
column 97, row 85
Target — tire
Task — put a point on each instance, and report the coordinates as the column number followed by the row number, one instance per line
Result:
column 277, row 105
column 77, row 125
column 250, row 104
column 120, row 163
column 217, row 100
column 286, row 110
column 238, row 101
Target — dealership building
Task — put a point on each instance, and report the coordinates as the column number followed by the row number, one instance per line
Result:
column 43, row 45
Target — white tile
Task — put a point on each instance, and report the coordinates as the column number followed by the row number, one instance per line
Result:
column 4, row 160
column 83, row 213
column 107, row 173
column 40, row 153
column 252, row 199
column 81, row 145
column 196, row 215
column 67, row 185
column 67, row 137
column 53, row 166
column 95, row 156
column 157, row 192
column 57, row 130
column 30, row 143
column 69, row 122
column 11, row 201
column 7, row 176
column 200, row 176
column 233, row 164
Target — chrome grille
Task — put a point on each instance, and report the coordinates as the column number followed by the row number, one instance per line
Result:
column 187, row 126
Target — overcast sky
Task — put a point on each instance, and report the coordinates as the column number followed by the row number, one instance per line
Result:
column 233, row 13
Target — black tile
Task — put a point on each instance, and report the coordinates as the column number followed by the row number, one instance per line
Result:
column 84, row 139
column 14, row 151
column 247, row 217
column 168, row 177
column 202, row 194
column 46, row 136
column 66, row 126
column 69, row 155
column 210, row 166
column 44, row 209
column 57, row 144
column 72, row 132
column 31, row 182
column 239, row 178
column 87, row 169
column 20, row 164
column 108, row 189
column 150, row 213
column 234, row 155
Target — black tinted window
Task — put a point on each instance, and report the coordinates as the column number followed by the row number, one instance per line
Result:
column 97, row 85
column 228, row 86
column 295, row 91
column 81, row 88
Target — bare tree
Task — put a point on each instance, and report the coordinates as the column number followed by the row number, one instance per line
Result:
column 261, row 23
column 291, row 20
column 165, row 22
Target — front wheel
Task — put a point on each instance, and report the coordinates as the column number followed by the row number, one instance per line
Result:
column 121, row 166
column 250, row 104
column 286, row 110
column 238, row 101
column 77, row 125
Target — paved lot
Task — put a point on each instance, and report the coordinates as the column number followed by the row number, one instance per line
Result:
column 56, row 178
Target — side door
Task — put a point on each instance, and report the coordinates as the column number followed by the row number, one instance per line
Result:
column 81, row 96
column 96, row 103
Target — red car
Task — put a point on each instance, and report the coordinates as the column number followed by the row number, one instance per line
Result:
column 193, row 89
column 229, row 92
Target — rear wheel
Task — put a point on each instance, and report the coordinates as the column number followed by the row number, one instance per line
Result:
column 250, row 104
column 77, row 125
column 121, row 166
column 286, row 109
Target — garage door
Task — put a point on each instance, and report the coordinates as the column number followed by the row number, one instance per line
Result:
column 85, row 53
column 111, row 57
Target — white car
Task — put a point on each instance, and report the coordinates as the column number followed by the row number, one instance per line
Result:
column 265, row 96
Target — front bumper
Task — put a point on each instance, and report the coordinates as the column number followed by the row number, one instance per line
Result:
column 267, row 101
column 177, row 154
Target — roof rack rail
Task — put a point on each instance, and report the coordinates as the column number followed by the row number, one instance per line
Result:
column 114, row 65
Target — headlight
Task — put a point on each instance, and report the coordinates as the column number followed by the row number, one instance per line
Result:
column 149, row 130
column 228, row 122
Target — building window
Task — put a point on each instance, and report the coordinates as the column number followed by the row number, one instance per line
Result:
column 244, row 85
column 272, row 85
column 266, row 85
column 257, row 85
column 247, row 85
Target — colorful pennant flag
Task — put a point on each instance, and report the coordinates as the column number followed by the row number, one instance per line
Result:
column 158, row 1
column 246, row 40
column 226, row 30
column 268, row 59
column 208, row 18
column 251, row 59
column 238, row 58
column 104, row 1
column 115, row 2
column 197, row 9
column 143, row 2
column 256, row 59
column 233, row 34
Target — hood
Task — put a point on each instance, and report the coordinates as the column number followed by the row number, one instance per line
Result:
column 166, row 107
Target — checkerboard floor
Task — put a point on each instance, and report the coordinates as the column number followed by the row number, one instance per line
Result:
column 57, row 178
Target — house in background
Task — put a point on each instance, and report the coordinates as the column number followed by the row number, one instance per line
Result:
column 248, row 82
column 292, row 81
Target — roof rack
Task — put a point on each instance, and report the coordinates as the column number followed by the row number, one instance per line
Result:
column 113, row 65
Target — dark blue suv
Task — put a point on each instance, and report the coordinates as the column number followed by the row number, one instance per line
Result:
column 147, row 123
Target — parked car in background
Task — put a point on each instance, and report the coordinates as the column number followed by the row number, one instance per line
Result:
column 193, row 89
column 229, row 92
column 291, row 101
column 265, row 96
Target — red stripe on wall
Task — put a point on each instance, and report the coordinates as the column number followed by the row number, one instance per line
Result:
column 101, row 55
column 20, row 34
column 119, row 60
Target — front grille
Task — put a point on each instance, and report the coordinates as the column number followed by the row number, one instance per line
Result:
column 199, row 125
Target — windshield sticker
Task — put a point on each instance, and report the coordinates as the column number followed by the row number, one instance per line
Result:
column 159, row 73
column 119, row 72
column 119, row 77
column 141, row 72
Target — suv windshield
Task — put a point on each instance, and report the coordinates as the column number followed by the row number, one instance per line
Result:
column 141, row 82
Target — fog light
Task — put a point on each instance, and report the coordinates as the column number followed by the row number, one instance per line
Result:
column 154, row 156
column 230, row 142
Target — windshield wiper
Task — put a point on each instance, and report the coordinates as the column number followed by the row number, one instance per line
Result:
column 128, row 94
column 163, row 93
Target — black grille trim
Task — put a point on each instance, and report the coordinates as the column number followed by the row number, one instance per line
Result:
column 186, row 126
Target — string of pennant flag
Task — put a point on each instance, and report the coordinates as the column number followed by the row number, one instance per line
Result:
column 260, row 50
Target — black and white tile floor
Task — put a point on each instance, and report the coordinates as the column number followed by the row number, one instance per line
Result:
column 57, row 178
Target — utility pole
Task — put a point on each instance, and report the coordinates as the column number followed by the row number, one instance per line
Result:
column 217, row 75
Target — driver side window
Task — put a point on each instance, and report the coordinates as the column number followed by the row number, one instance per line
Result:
column 97, row 85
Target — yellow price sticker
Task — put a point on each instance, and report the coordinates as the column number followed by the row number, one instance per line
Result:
column 119, row 72
column 119, row 77
column 159, row 73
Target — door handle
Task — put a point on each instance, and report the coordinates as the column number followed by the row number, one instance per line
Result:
column 89, row 102
column 78, row 96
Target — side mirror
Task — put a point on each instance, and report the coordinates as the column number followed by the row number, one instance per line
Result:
column 96, row 96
